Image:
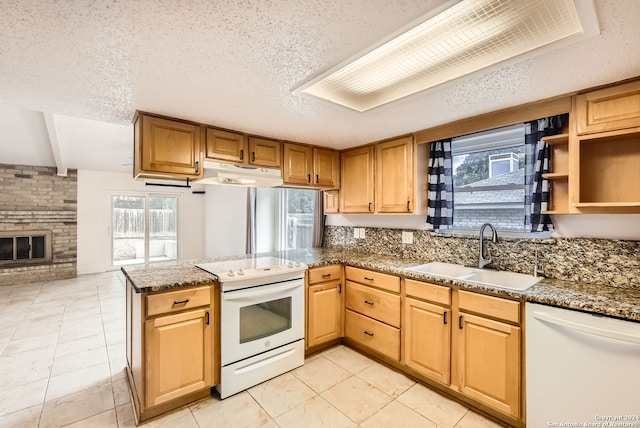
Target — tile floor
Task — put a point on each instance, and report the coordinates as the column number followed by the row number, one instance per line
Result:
column 62, row 357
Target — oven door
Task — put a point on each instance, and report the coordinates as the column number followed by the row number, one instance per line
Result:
column 257, row 319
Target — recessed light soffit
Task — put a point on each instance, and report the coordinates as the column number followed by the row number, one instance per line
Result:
column 469, row 36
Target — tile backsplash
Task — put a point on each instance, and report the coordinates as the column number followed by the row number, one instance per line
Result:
column 603, row 261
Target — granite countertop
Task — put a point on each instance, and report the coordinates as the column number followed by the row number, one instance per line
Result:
column 595, row 298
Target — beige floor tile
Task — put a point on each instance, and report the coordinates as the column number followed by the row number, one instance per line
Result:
column 30, row 344
column 238, row 411
column 79, row 360
column 22, row 396
column 397, row 415
column 75, row 329
column 78, row 314
column 314, row 413
column 84, row 344
column 78, row 380
column 76, row 407
column 101, row 420
column 474, row 420
column 182, row 418
column 441, row 410
column 323, row 353
column 356, row 399
column 120, row 388
column 349, row 359
column 35, row 328
column 281, row 394
column 125, row 416
column 25, row 367
column 25, row 418
column 321, row 374
column 386, row 380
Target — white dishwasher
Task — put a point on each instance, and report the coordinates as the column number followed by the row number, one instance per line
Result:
column 583, row 370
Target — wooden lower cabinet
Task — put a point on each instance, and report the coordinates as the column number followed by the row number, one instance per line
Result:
column 489, row 362
column 325, row 306
column 325, row 313
column 426, row 347
column 374, row 334
column 172, row 342
column 178, row 355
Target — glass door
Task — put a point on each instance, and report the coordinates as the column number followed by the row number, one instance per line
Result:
column 144, row 228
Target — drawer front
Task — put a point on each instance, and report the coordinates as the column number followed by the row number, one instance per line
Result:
column 425, row 291
column 174, row 301
column 376, row 335
column 325, row 273
column 373, row 303
column 507, row 310
column 608, row 109
column 376, row 279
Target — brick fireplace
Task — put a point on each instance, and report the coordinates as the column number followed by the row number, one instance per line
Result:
column 38, row 216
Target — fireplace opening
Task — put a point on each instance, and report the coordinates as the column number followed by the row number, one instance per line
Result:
column 25, row 247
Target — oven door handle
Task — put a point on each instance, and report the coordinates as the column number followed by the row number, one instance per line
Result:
column 260, row 291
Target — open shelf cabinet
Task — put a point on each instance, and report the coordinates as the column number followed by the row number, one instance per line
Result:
column 559, row 175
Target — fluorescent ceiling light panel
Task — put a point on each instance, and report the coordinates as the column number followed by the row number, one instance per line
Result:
column 469, row 36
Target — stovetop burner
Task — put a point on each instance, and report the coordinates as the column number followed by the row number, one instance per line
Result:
column 253, row 271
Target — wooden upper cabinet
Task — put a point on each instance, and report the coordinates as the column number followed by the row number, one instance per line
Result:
column 395, row 176
column 165, row 147
column 264, row 152
column 311, row 166
column 226, row 146
column 609, row 109
column 326, row 168
column 298, row 164
column 357, row 188
column 331, row 201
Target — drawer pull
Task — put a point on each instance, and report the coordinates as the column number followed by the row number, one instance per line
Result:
column 368, row 333
column 181, row 302
column 368, row 302
column 326, row 275
column 368, row 279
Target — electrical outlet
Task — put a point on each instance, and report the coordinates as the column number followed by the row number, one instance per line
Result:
column 362, row 233
column 356, row 232
column 407, row 237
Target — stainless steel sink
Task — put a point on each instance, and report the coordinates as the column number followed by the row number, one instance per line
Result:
column 492, row 278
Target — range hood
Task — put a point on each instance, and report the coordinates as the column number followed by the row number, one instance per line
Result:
column 240, row 175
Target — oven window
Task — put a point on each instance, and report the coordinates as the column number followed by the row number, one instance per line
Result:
column 264, row 319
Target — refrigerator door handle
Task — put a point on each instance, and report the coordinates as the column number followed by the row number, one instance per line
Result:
column 584, row 328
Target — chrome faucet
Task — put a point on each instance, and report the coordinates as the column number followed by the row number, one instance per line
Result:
column 482, row 262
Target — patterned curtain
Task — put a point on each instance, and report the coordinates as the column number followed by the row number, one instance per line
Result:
column 440, row 194
column 537, row 162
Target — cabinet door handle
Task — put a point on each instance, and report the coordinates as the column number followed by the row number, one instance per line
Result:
column 445, row 318
column 368, row 333
column 253, row 156
column 308, row 178
column 326, row 275
column 207, row 317
column 460, row 322
column 408, row 205
column 369, row 206
column 368, row 303
column 339, row 288
column 317, row 179
column 368, row 279
column 197, row 167
column 181, row 302
column 242, row 154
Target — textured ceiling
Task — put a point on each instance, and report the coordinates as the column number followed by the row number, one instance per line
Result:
column 234, row 63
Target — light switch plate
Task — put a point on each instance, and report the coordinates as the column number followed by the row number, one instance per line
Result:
column 407, row 237
column 362, row 233
column 356, row 232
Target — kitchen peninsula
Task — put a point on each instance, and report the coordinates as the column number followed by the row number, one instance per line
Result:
column 147, row 289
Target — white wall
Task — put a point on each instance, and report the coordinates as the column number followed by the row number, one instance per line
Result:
column 225, row 223
column 607, row 226
column 268, row 220
column 94, row 217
